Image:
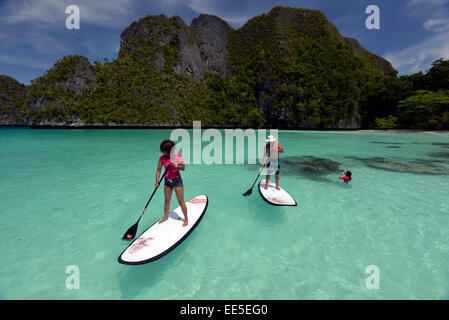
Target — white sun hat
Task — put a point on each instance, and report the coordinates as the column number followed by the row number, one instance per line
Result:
column 270, row 139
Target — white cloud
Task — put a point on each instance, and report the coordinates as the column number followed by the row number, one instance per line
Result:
column 38, row 11
column 237, row 20
column 43, row 43
column 425, row 9
column 436, row 25
column 109, row 13
column 22, row 61
column 44, row 12
column 427, row 2
column 201, row 6
column 35, row 30
column 419, row 57
column 212, row 7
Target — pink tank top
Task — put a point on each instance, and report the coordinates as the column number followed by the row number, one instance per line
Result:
column 172, row 172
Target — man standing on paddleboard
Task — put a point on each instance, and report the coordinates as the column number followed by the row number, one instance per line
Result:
column 173, row 163
column 271, row 159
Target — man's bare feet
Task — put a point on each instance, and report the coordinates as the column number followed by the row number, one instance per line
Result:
column 163, row 219
column 277, row 188
column 186, row 222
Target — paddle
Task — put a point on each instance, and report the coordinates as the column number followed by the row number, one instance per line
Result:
column 131, row 233
column 250, row 191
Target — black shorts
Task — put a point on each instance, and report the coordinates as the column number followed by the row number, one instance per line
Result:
column 274, row 169
column 173, row 183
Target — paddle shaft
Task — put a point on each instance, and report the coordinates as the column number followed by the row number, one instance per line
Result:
column 258, row 176
column 160, row 180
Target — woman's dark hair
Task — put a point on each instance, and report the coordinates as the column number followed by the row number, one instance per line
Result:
column 167, row 146
column 348, row 173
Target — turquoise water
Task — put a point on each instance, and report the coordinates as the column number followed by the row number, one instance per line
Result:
column 67, row 197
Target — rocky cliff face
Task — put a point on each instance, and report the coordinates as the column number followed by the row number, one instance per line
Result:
column 76, row 74
column 63, row 85
column 212, row 33
column 169, row 43
column 164, row 43
column 12, row 97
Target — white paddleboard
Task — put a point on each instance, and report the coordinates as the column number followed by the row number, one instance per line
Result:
column 161, row 238
column 274, row 196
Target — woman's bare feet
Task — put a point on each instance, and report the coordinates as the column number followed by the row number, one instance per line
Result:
column 163, row 219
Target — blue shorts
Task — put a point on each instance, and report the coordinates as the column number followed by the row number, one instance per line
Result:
column 270, row 171
column 173, row 183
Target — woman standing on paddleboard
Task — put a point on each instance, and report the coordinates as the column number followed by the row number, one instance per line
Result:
column 173, row 163
column 271, row 159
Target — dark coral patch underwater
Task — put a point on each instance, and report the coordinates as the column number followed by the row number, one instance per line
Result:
column 439, row 155
column 385, row 142
column 418, row 166
column 310, row 167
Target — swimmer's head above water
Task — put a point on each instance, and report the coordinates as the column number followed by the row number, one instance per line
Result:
column 346, row 176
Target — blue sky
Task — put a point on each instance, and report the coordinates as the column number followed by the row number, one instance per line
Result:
column 33, row 36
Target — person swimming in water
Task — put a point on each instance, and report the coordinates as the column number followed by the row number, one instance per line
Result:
column 271, row 159
column 173, row 163
column 345, row 176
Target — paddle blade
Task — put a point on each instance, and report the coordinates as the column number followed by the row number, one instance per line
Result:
column 247, row 193
column 131, row 233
